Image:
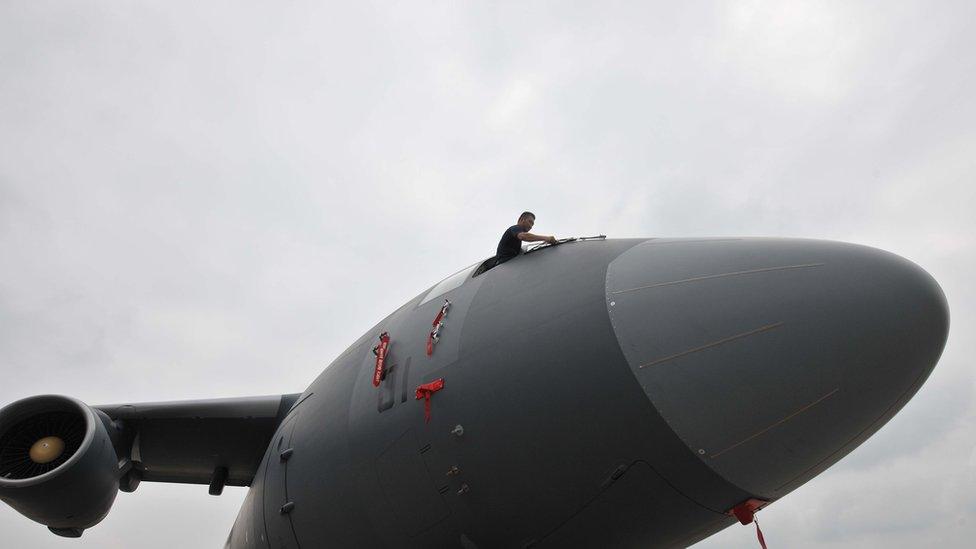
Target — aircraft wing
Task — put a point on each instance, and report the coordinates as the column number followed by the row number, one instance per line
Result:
column 191, row 441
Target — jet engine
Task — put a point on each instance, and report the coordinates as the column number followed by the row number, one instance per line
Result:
column 58, row 462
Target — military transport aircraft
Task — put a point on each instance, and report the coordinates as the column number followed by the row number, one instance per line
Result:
column 602, row 392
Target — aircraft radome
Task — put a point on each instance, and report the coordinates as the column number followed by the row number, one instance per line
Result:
column 601, row 392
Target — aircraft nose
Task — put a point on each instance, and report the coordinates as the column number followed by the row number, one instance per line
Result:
column 773, row 358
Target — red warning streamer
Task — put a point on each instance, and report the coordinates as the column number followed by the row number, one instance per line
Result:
column 380, row 351
column 762, row 540
column 746, row 513
column 425, row 391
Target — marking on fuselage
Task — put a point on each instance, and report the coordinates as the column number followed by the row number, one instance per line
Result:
column 387, row 395
column 721, row 275
column 780, row 422
column 406, row 380
column 713, row 344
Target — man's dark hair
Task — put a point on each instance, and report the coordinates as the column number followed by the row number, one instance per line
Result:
column 526, row 214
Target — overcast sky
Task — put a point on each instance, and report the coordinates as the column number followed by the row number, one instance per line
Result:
column 215, row 199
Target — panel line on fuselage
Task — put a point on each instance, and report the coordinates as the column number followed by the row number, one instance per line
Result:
column 721, row 275
column 663, row 242
column 759, row 330
column 780, row 422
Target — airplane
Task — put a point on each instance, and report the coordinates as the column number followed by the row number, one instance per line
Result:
column 596, row 393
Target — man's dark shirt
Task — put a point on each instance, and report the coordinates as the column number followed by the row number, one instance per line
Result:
column 510, row 246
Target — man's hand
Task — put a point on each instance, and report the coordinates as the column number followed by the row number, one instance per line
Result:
column 551, row 239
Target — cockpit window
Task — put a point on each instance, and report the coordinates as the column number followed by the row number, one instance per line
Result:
column 485, row 266
column 449, row 283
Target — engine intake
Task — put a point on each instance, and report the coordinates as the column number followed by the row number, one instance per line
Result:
column 58, row 464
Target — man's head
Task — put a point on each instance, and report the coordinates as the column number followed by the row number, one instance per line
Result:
column 526, row 220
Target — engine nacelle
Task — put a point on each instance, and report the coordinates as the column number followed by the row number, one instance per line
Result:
column 58, row 463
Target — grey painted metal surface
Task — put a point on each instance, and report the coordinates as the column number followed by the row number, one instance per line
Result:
column 621, row 392
column 774, row 358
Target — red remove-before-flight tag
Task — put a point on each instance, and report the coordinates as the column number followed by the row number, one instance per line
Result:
column 425, row 391
column 380, row 351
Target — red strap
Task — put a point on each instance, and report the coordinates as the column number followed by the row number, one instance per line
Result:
column 430, row 343
column 425, row 391
column 746, row 510
column 437, row 319
column 380, row 352
column 746, row 513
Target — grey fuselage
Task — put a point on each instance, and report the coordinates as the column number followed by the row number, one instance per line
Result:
column 622, row 393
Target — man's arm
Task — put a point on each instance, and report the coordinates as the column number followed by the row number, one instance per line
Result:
column 529, row 237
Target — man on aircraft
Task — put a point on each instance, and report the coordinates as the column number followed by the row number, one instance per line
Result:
column 511, row 243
